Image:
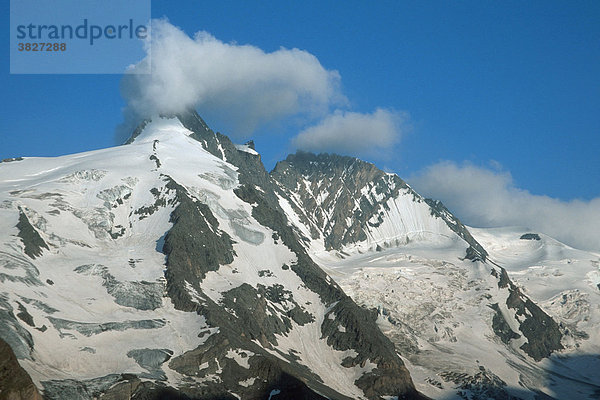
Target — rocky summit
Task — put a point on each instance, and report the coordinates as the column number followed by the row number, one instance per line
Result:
column 176, row 266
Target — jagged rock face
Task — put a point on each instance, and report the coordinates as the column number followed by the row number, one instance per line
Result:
column 361, row 335
column 328, row 188
column 344, row 201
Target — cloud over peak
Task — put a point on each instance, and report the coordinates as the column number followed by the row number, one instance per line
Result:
column 245, row 87
column 354, row 133
column 242, row 82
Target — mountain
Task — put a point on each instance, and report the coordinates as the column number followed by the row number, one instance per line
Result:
column 165, row 268
column 176, row 266
column 344, row 202
column 463, row 325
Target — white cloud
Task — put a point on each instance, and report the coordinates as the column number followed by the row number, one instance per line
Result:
column 239, row 83
column 354, row 133
column 486, row 198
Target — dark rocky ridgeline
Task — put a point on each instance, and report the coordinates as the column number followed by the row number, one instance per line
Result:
column 344, row 179
column 360, row 329
column 475, row 252
column 15, row 384
column 250, row 167
column 541, row 331
column 248, row 318
column 262, row 374
column 137, row 131
column 12, row 159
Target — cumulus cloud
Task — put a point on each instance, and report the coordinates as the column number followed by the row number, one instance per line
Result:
column 239, row 83
column 486, row 198
column 354, row 133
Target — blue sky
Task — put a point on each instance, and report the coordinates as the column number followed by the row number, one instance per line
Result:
column 507, row 87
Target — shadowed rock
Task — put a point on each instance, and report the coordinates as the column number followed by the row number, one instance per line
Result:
column 15, row 383
column 530, row 236
column 30, row 237
column 93, row 328
column 541, row 331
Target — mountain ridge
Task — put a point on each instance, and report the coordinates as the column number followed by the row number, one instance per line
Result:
column 370, row 204
column 237, row 277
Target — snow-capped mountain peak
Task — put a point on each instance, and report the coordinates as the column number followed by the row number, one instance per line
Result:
column 167, row 266
column 160, row 128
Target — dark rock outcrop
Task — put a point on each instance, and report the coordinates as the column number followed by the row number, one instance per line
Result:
column 15, row 383
column 30, row 237
column 11, row 159
column 344, row 176
column 12, row 333
column 541, row 331
column 530, row 236
column 194, row 246
column 500, row 327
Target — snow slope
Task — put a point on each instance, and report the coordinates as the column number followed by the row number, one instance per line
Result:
column 74, row 202
column 435, row 306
